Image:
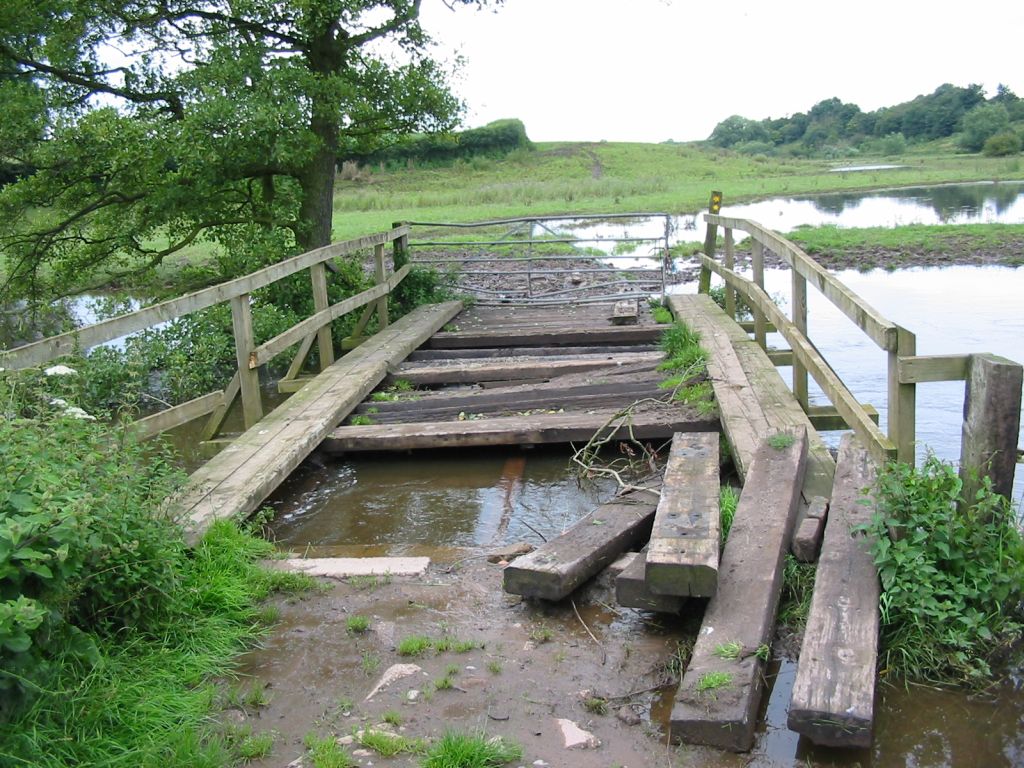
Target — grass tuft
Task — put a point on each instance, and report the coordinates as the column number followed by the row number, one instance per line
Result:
column 457, row 750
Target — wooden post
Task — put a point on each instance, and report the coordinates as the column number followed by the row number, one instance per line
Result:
column 730, row 264
column 800, row 321
column 318, row 274
column 241, row 321
column 760, row 322
column 714, row 206
column 401, row 248
column 379, row 277
column 991, row 423
column 902, row 428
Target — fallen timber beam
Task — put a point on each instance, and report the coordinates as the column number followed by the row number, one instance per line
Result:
column 500, row 369
column 718, row 697
column 754, row 399
column 236, row 481
column 421, row 355
column 833, row 695
column 682, row 557
column 547, row 337
column 657, row 422
column 633, row 591
column 555, row 569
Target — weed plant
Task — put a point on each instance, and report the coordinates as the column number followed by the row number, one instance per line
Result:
column 728, row 498
column 459, row 750
column 797, row 589
column 952, row 575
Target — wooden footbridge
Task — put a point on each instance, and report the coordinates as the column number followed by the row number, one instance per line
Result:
column 532, row 371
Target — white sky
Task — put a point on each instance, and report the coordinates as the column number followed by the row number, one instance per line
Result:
column 651, row 70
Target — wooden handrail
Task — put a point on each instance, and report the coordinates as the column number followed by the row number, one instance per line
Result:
column 878, row 328
column 45, row 350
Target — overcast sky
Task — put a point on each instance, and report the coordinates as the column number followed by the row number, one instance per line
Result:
column 651, row 70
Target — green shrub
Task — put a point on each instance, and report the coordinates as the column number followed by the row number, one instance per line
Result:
column 952, row 574
column 1002, row 145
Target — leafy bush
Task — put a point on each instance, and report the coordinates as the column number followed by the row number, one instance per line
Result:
column 952, row 574
column 1002, row 144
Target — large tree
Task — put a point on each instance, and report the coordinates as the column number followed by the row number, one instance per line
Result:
column 144, row 126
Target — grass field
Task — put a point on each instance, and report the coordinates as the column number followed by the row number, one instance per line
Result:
column 619, row 177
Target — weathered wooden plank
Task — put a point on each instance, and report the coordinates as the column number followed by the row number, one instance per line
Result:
column 833, row 694
column 991, row 424
column 237, row 480
column 625, row 312
column 918, row 369
column 499, row 369
column 422, row 355
column 825, row 418
column 632, row 591
column 173, row 417
column 682, row 557
column 241, row 323
column 550, row 336
column 90, row 336
column 555, row 569
column 743, row 418
column 538, row 429
column 742, row 612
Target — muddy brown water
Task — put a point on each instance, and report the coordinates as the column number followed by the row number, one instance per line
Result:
column 451, row 506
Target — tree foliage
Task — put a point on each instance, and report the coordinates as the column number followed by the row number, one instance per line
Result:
column 833, row 124
column 151, row 125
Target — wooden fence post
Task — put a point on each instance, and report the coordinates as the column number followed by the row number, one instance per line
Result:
column 710, row 238
column 760, row 322
column 991, row 423
column 241, row 321
column 730, row 264
column 401, row 248
column 379, row 277
column 902, row 400
column 799, row 313
column 318, row 275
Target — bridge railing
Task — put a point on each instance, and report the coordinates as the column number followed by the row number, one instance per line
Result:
column 249, row 355
column 993, row 391
column 524, row 259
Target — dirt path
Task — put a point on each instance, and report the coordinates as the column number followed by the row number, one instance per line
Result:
column 532, row 664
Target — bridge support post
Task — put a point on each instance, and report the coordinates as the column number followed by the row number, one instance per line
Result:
column 241, row 321
column 379, row 276
column 710, row 242
column 760, row 321
column 730, row 264
column 318, row 276
column 902, row 400
column 991, row 424
column 799, row 315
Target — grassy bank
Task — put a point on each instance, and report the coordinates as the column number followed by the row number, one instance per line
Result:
column 618, row 177
column 918, row 237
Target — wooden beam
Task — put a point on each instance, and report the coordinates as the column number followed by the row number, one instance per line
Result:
column 221, row 410
column 682, row 557
column 833, row 694
column 538, row 429
column 84, row 338
column 267, row 351
column 825, row 418
column 379, row 275
column 549, row 337
column 780, row 357
column 555, row 569
column 500, row 369
column 236, row 481
column 919, row 369
column 318, row 277
column 423, row 355
column 902, row 400
column 867, row 318
column 883, row 449
column 742, row 612
column 170, row 418
column 241, row 322
column 632, row 591
column 988, row 446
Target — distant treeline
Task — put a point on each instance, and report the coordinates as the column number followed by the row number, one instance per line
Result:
column 494, row 139
column 832, row 126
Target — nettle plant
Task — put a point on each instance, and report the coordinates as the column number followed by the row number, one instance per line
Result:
column 952, row 575
column 84, row 551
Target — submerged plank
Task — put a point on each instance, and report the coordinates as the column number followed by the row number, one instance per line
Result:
column 631, row 589
column 834, row 691
column 236, row 481
column 555, row 569
column 682, row 558
column 717, row 700
column 656, row 423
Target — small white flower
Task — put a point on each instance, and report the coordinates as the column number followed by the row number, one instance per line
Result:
column 60, row 370
column 59, row 402
column 77, row 413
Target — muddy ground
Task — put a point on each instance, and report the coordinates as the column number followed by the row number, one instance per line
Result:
column 533, row 663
